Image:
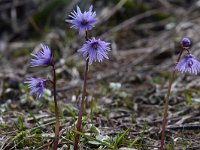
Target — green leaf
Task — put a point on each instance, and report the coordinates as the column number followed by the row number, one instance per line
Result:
column 119, row 138
column 188, row 98
column 20, row 123
column 71, row 111
column 102, row 142
column 135, row 141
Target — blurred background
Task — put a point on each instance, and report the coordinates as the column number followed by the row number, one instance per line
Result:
column 126, row 91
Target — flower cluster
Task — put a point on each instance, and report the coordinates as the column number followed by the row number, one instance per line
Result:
column 189, row 63
column 43, row 57
column 94, row 49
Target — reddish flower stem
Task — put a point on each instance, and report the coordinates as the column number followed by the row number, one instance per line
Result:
column 165, row 113
column 79, row 122
column 56, row 138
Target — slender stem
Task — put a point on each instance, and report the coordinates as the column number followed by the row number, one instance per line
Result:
column 79, row 122
column 56, row 138
column 165, row 113
column 86, row 36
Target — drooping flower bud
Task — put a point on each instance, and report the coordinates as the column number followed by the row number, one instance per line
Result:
column 186, row 42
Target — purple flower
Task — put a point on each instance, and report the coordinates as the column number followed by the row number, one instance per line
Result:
column 188, row 64
column 43, row 57
column 36, row 86
column 186, row 42
column 95, row 50
column 82, row 21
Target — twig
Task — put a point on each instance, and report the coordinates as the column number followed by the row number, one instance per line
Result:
column 150, row 25
column 184, row 127
column 111, row 12
column 9, row 5
column 130, row 21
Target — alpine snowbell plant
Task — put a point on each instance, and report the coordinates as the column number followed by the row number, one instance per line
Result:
column 93, row 50
column 44, row 57
column 189, row 64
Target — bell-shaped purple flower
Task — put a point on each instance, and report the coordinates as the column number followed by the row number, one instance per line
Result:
column 186, row 42
column 36, row 86
column 82, row 21
column 188, row 64
column 95, row 49
column 43, row 57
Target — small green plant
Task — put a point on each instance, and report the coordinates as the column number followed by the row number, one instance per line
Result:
column 119, row 139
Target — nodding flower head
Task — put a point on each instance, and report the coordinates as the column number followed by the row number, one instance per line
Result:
column 36, row 86
column 186, row 42
column 43, row 57
column 188, row 64
column 82, row 21
column 95, row 49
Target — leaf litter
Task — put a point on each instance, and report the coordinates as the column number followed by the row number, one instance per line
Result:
column 126, row 93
